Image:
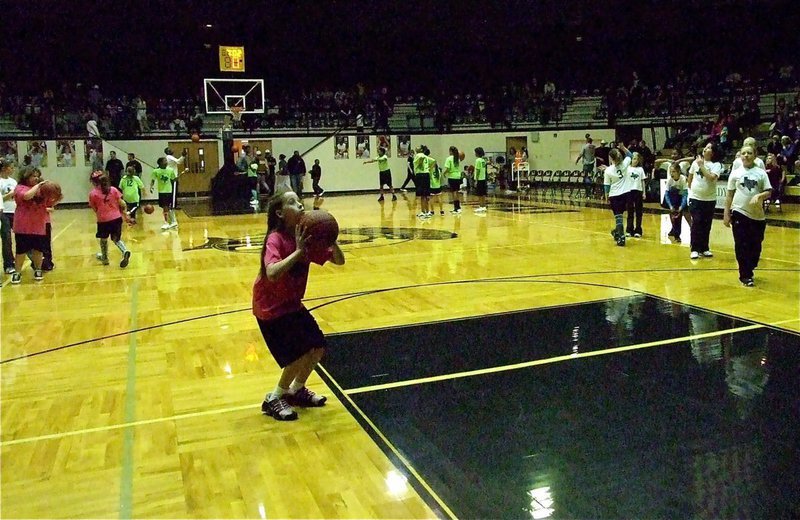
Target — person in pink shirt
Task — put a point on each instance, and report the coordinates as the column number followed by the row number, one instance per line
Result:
column 292, row 335
column 107, row 203
column 30, row 223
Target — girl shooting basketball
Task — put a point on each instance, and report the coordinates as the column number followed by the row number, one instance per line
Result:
column 291, row 333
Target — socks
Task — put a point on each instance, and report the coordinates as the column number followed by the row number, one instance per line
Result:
column 104, row 248
column 172, row 217
column 295, row 386
column 121, row 246
column 275, row 394
column 618, row 219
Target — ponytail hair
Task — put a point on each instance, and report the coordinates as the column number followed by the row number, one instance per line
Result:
column 274, row 223
column 454, row 153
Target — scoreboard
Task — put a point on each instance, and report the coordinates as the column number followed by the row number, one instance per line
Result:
column 231, row 59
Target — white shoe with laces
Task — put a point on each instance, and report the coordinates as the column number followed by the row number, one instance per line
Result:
column 695, row 255
column 708, row 254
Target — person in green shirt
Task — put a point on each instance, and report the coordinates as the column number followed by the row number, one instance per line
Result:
column 131, row 186
column 166, row 198
column 436, row 185
column 480, row 179
column 252, row 182
column 422, row 180
column 453, row 173
column 384, row 173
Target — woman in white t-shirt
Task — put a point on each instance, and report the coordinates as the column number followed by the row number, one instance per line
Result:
column 9, row 206
column 748, row 187
column 635, row 196
column 703, row 175
column 616, row 182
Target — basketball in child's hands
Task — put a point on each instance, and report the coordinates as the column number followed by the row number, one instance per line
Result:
column 51, row 192
column 321, row 227
column 149, row 209
column 461, row 156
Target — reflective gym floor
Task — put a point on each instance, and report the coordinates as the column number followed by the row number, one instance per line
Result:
column 512, row 365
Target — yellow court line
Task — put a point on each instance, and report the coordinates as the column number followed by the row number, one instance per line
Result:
column 391, row 446
column 129, row 424
column 557, row 359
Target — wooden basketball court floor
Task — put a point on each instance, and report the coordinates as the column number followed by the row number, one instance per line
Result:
column 516, row 364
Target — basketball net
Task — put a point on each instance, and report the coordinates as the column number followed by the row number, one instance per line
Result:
column 236, row 113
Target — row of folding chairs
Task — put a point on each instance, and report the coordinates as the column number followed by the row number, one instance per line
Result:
column 571, row 183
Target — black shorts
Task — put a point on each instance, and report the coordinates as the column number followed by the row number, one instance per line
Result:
column 436, row 191
column 291, row 336
column 481, row 188
column 28, row 243
column 618, row 203
column 165, row 200
column 385, row 178
column 455, row 184
column 112, row 228
column 422, row 184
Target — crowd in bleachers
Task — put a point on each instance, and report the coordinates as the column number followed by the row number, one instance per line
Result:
column 733, row 102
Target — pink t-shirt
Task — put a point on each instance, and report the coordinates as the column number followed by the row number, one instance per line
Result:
column 274, row 299
column 30, row 217
column 106, row 206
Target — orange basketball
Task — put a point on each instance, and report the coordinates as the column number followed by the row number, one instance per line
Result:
column 51, row 193
column 196, row 138
column 235, row 149
column 322, row 227
column 149, row 209
column 461, row 156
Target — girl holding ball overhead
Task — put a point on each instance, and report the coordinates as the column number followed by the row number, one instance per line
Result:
column 292, row 335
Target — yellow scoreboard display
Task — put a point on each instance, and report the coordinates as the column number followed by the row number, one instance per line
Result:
column 231, row 59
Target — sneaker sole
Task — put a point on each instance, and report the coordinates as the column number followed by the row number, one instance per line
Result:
column 279, row 417
column 292, row 402
column 126, row 258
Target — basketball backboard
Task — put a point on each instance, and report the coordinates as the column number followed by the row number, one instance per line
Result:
column 222, row 94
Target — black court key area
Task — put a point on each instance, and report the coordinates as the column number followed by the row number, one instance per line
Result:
column 702, row 428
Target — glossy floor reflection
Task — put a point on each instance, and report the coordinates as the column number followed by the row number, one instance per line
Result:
column 703, row 427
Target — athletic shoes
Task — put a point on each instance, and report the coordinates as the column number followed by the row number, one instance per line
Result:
column 747, row 282
column 480, row 209
column 380, row 199
column 11, row 270
column 16, row 278
column 708, row 254
column 637, row 235
column 321, row 193
column 695, row 255
column 174, row 225
column 164, row 227
column 103, row 259
column 278, row 409
column 394, row 198
column 305, row 397
column 126, row 257
column 38, row 275
column 48, row 266
column 621, row 240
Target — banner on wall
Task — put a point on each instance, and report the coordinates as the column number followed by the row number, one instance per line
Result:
column 37, row 150
column 362, row 147
column 403, row 145
column 93, row 154
column 341, row 147
column 385, row 142
column 66, row 153
column 8, row 150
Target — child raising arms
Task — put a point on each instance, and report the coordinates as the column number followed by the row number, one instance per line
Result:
column 292, row 335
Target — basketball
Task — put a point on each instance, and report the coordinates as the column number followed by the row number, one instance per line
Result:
column 51, row 192
column 195, row 138
column 461, row 156
column 235, row 149
column 149, row 209
column 322, row 227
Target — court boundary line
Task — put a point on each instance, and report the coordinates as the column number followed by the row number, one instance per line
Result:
column 515, row 278
column 386, row 441
column 546, row 361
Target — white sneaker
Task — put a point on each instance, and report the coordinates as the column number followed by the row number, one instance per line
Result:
column 695, row 255
column 173, row 225
column 164, row 227
column 708, row 254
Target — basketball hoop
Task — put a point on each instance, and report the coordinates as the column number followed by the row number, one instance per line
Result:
column 236, row 113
